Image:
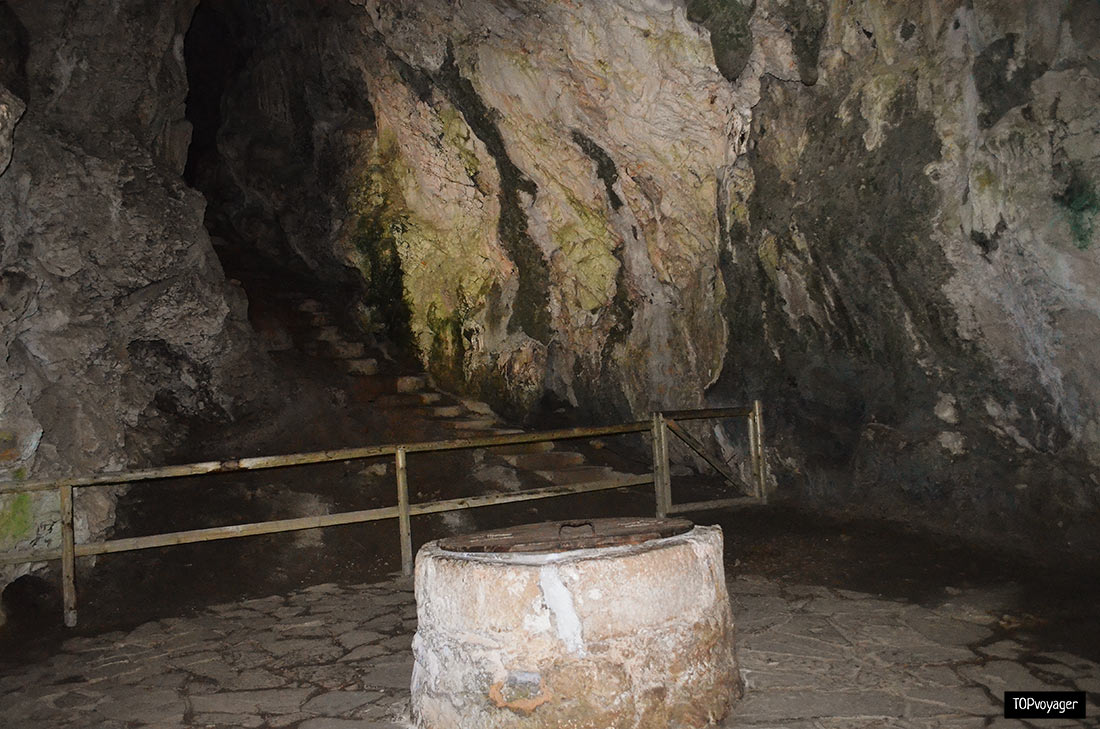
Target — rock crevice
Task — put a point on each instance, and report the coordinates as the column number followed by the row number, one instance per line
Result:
column 117, row 327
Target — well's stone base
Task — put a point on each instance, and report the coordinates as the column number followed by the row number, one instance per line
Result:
column 625, row 637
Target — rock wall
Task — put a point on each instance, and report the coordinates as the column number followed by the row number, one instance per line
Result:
column 293, row 116
column 877, row 217
column 530, row 260
column 11, row 110
column 116, row 322
column 13, row 72
column 913, row 261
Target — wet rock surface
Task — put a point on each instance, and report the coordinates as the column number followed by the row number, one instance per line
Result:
column 11, row 109
column 489, row 179
column 339, row 656
column 878, row 219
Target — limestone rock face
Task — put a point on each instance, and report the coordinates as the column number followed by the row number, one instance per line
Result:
column 913, row 263
column 117, row 326
column 103, row 70
column 545, row 201
column 879, row 218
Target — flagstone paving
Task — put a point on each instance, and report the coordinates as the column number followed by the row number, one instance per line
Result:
column 339, row 657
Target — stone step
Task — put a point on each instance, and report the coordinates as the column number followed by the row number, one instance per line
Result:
column 346, row 350
column 479, row 424
column 276, row 339
column 499, row 478
column 448, row 411
column 365, row 366
column 411, row 383
column 474, row 432
column 483, row 432
column 406, row 399
column 577, row 474
column 378, row 469
column 548, row 461
column 416, row 411
column 517, row 449
column 328, row 334
column 476, row 406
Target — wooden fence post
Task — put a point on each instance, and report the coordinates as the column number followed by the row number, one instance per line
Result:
column 758, row 447
column 403, row 512
column 662, row 483
column 68, row 556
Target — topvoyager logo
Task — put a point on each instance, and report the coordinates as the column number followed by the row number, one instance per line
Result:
column 1044, row 704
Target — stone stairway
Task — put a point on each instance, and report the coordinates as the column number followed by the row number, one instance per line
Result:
column 412, row 397
column 339, row 389
column 328, row 341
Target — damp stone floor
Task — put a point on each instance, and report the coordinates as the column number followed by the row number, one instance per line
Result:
column 339, row 657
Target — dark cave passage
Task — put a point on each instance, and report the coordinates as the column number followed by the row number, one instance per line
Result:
column 248, row 237
column 214, row 53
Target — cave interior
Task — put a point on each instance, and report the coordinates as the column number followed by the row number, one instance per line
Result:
column 236, row 229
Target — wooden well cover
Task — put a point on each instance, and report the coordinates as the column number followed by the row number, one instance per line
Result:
column 562, row 536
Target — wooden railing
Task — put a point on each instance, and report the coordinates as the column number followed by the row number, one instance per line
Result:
column 659, row 426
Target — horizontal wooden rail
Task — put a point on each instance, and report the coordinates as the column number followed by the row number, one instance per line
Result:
column 301, row 459
column 32, row 555
column 713, row 504
column 233, row 531
column 708, row 413
column 471, row 502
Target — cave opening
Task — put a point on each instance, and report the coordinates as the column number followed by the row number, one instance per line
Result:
column 235, row 151
column 214, row 53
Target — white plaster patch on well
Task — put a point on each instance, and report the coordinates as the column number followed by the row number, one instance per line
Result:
column 538, row 620
column 632, row 637
column 560, row 601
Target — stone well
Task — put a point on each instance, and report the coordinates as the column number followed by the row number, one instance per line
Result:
column 620, row 623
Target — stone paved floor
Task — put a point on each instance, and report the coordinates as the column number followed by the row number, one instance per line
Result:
column 334, row 657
